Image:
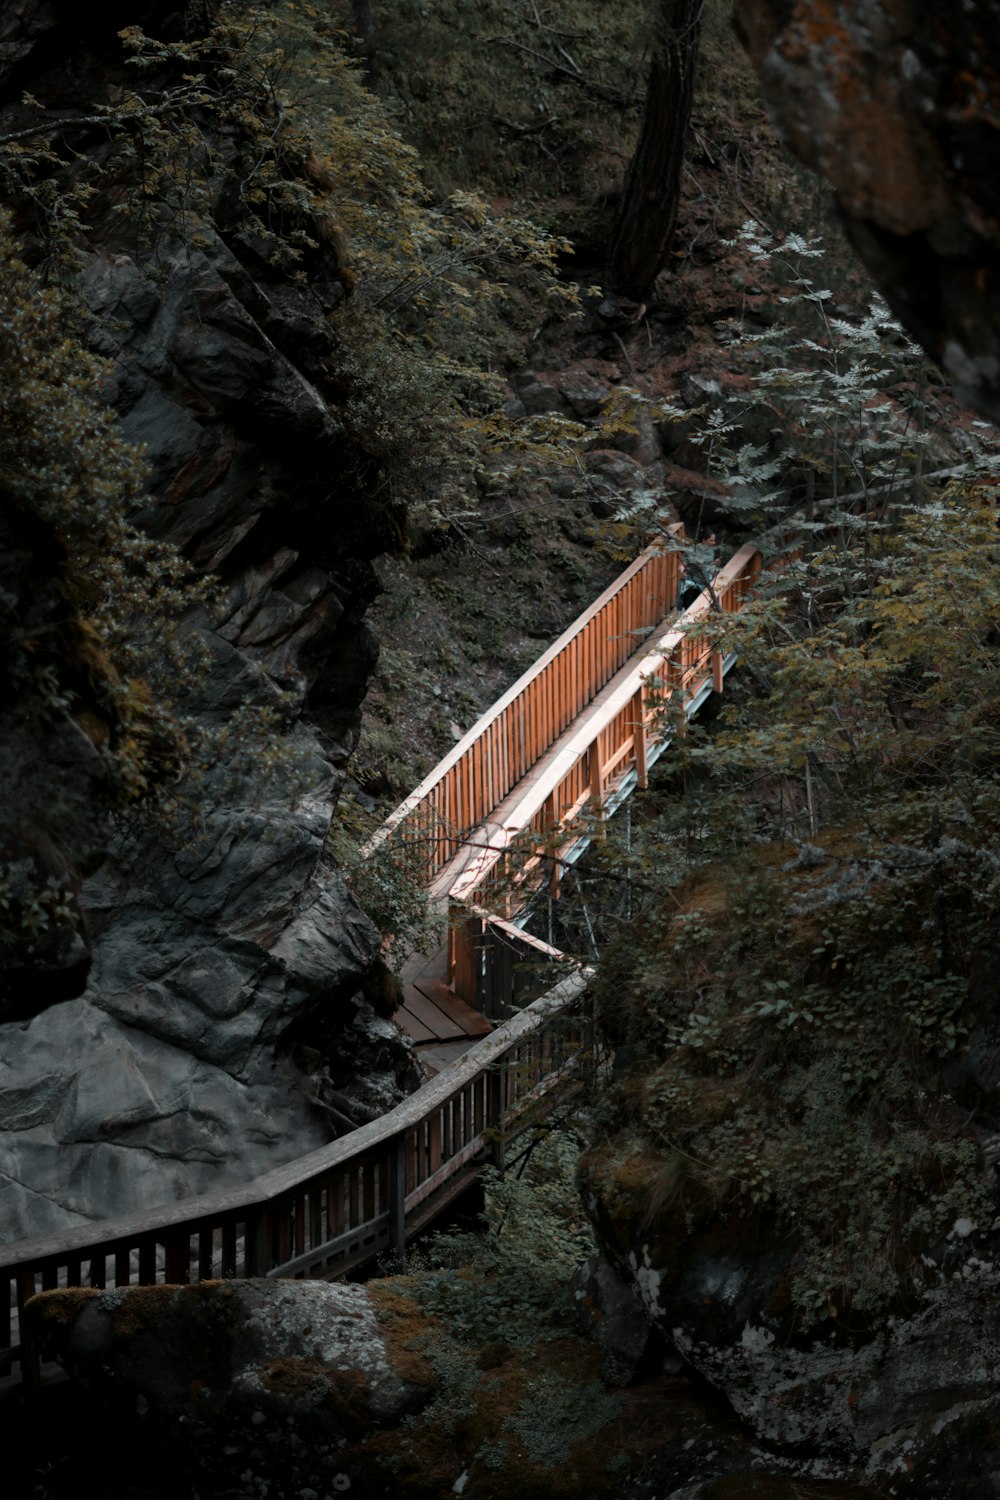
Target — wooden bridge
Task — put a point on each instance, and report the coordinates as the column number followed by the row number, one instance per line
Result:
column 496, row 819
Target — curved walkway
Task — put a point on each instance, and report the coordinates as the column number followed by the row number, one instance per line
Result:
column 494, row 820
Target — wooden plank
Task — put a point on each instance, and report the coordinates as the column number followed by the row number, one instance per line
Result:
column 440, row 1026
column 456, row 1009
column 412, row 1023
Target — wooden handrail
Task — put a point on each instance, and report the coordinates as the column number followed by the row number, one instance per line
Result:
column 513, row 735
column 584, row 764
column 339, row 1206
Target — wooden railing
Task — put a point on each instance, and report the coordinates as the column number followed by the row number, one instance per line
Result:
column 615, row 737
column 339, row 1207
column 502, row 746
column 343, row 1205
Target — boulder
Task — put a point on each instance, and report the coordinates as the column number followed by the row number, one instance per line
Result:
column 261, row 1385
column 609, row 1311
column 537, row 395
column 213, row 954
column 877, row 1405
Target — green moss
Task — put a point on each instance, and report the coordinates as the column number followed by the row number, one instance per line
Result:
column 57, row 1309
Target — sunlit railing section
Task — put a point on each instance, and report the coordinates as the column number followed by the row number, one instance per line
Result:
column 502, row 747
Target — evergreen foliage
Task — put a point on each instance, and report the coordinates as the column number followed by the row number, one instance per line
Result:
column 821, row 874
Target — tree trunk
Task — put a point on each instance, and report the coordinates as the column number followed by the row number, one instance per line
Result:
column 648, row 211
column 363, row 27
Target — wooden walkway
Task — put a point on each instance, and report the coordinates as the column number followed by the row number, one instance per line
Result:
column 501, row 1018
column 440, row 1024
column 520, row 830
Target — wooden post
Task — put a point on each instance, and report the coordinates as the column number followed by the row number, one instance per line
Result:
column 466, row 939
column 641, row 742
column 397, row 1194
column 718, row 676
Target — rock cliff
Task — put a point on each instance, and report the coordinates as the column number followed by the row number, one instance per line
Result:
column 209, row 945
column 897, row 107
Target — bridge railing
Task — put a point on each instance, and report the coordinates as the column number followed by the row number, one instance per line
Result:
column 339, row 1206
column 614, row 738
column 502, row 746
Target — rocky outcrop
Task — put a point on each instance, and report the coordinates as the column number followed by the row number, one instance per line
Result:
column 897, row 107
column 227, row 951
column 289, row 1389
column 889, row 1406
column 267, row 1381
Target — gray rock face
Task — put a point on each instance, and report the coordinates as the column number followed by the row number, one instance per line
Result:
column 174, row 1072
column 883, row 1410
column 166, row 1079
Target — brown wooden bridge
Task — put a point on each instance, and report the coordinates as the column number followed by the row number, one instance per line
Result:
column 495, row 819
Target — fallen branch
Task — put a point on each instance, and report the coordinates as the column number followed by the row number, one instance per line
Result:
column 590, row 85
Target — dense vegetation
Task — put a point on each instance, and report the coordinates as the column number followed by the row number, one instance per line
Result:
column 816, row 881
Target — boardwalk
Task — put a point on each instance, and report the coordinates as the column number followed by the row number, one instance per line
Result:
column 535, row 776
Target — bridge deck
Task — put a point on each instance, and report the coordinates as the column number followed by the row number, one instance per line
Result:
column 441, row 1025
column 432, row 1013
column 563, row 750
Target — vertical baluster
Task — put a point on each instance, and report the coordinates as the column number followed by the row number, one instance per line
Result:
column 177, row 1260
column 412, row 1141
column 283, row 1221
column 335, row 1205
column 368, row 1192
column 31, row 1364
column 147, row 1262
column 434, row 1143
column 397, row 1193
column 315, row 1218
column 7, row 1295
column 98, row 1271
column 495, row 1112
